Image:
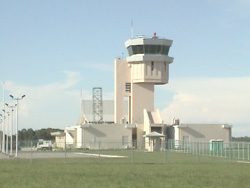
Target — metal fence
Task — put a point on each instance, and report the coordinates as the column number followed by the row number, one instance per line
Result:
column 130, row 152
column 215, row 148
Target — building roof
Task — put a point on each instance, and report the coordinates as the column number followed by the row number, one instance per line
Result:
column 154, row 134
column 86, row 114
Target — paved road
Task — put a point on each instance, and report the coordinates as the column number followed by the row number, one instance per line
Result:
column 42, row 155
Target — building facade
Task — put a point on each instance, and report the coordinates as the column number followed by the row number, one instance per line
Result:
column 132, row 118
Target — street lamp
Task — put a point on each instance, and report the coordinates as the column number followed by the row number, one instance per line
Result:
column 17, row 102
column 11, row 126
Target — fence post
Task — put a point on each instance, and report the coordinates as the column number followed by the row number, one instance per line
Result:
column 243, row 146
column 221, row 152
column 31, row 145
column 238, row 150
column 225, row 148
column 65, row 161
column 230, row 150
column 248, row 151
column 99, row 152
column 198, row 151
column 164, row 145
column 132, row 153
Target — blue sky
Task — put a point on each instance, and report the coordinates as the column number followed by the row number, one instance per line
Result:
column 50, row 50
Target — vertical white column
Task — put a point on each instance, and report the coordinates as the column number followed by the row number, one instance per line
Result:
column 16, row 128
column 11, row 133
column 3, row 127
column 7, row 133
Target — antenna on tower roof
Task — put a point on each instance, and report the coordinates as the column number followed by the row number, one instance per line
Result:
column 132, row 29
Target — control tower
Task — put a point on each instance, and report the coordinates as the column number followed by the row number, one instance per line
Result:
column 135, row 77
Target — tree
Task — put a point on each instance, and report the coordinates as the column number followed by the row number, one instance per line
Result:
column 30, row 134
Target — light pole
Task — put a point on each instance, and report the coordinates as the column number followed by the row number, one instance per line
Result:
column 3, row 129
column 11, row 126
column 1, row 121
column 17, row 100
column 7, row 132
column 3, row 142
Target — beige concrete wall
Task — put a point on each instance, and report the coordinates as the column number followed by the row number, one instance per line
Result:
column 121, row 76
column 143, row 72
column 140, row 132
column 109, row 135
column 142, row 97
column 204, row 132
column 60, row 141
column 79, row 137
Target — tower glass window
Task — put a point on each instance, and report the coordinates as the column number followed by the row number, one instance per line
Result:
column 165, row 50
column 148, row 49
column 130, row 51
column 152, row 49
column 158, row 49
column 138, row 49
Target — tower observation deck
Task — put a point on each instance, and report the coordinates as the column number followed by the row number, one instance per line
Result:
column 147, row 65
column 150, row 57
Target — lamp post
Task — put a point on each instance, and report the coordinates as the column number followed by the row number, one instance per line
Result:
column 7, row 133
column 17, row 100
column 3, row 129
column 1, row 121
column 11, row 126
column 3, row 142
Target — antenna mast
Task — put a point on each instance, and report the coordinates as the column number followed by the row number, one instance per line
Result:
column 132, row 29
column 97, row 105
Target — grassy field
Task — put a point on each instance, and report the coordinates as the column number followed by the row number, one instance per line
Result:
column 180, row 170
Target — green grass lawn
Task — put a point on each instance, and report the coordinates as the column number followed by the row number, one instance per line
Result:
column 148, row 170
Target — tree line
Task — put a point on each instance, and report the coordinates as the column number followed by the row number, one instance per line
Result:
column 241, row 139
column 30, row 134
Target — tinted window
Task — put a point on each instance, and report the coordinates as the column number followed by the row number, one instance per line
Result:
column 130, row 51
column 152, row 49
column 140, row 49
column 158, row 49
column 148, row 49
column 165, row 50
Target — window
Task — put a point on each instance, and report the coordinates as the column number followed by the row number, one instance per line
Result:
column 137, row 49
column 152, row 66
column 127, row 87
column 140, row 49
column 148, row 49
column 130, row 51
column 158, row 49
column 152, row 49
column 165, row 50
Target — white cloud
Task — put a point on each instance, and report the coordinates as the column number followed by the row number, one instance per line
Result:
column 98, row 66
column 210, row 100
column 52, row 105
